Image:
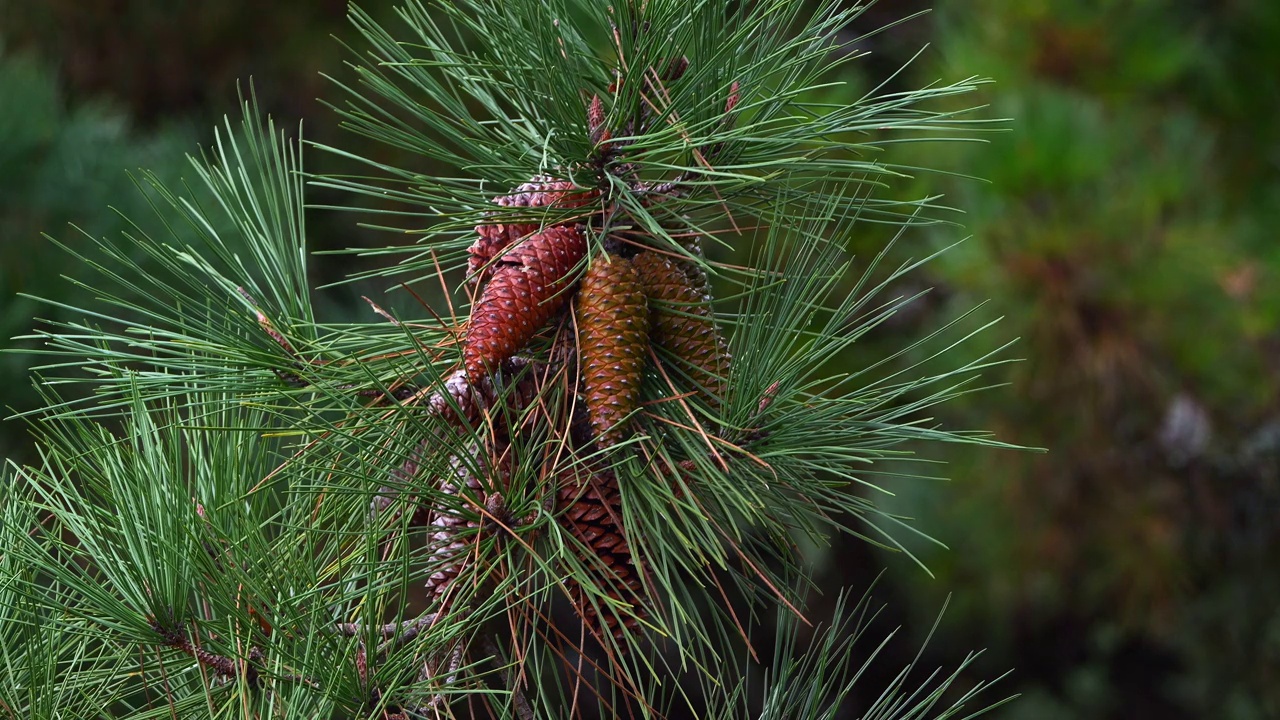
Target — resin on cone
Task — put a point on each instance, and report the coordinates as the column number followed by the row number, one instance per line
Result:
column 681, row 321
column 529, row 285
column 495, row 239
column 613, row 340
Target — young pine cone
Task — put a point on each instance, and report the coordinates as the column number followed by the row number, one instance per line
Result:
column 529, row 285
column 592, row 513
column 613, row 339
column 495, row 239
column 681, row 320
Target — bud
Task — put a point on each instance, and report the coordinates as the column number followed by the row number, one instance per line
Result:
column 595, row 121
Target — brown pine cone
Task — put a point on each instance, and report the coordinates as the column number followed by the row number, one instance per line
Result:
column 494, row 239
column 613, row 338
column 681, row 320
column 592, row 512
column 529, row 285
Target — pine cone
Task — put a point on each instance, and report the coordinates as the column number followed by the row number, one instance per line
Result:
column 592, row 512
column 453, row 529
column 529, row 285
column 545, row 191
column 681, row 320
column 469, row 497
column 495, row 239
column 462, row 405
column 613, row 337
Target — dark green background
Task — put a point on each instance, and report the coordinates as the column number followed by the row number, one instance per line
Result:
column 1126, row 233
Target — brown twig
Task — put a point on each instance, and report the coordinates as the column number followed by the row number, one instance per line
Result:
column 519, row 702
column 401, row 632
column 220, row 664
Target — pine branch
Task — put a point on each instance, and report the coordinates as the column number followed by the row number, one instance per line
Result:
column 589, row 425
column 714, row 137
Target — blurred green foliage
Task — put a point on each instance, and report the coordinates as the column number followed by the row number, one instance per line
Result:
column 92, row 93
column 1125, row 229
column 1126, row 232
column 61, row 165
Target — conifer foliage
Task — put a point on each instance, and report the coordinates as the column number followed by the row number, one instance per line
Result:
column 576, row 487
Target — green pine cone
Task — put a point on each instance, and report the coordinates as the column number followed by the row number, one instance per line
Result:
column 682, row 322
column 613, row 339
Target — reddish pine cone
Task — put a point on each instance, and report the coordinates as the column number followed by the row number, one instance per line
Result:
column 592, row 512
column 495, row 239
column 613, row 338
column 529, row 286
column 681, row 320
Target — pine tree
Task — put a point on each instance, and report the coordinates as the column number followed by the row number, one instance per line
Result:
column 526, row 505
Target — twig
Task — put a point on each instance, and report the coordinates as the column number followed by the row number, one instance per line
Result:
column 518, row 700
column 429, row 671
column 406, row 630
column 220, row 664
